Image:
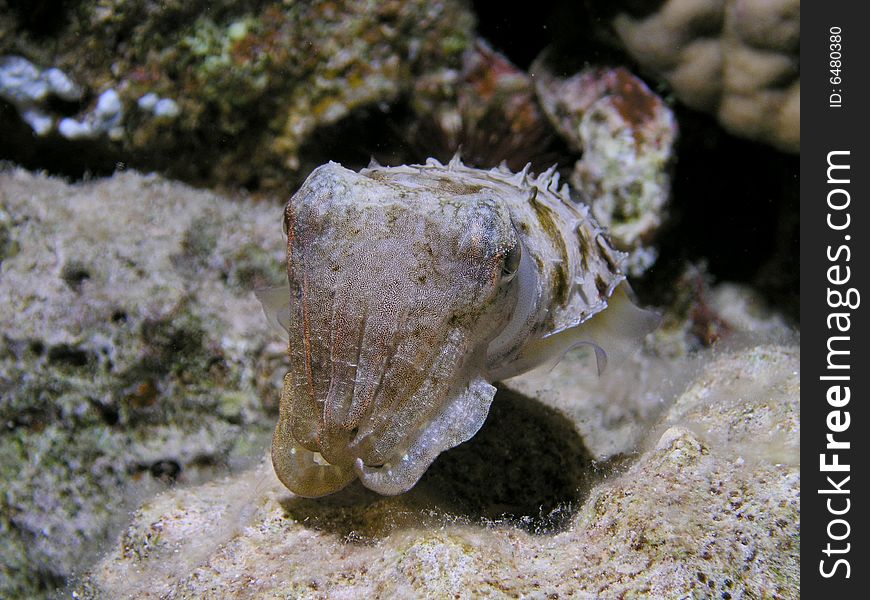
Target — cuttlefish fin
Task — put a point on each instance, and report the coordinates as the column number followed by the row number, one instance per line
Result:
column 276, row 306
column 618, row 331
column 614, row 334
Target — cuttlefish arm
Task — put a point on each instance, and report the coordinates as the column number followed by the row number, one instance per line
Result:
column 459, row 422
column 299, row 468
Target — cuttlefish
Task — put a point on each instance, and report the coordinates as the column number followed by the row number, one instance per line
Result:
column 412, row 289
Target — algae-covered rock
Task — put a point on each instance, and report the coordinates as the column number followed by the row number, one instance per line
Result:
column 709, row 508
column 133, row 353
column 486, row 110
column 626, row 134
column 222, row 92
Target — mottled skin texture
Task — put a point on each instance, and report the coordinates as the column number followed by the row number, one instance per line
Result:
column 410, row 290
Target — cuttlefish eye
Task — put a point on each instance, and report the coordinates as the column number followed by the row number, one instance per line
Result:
column 511, row 264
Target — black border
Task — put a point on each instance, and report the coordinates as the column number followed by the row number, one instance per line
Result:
column 826, row 129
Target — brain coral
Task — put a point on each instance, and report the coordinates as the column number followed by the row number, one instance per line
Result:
column 736, row 59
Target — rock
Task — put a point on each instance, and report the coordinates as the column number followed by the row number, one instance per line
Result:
column 217, row 91
column 627, row 136
column 621, row 405
column 708, row 507
column 486, row 110
column 133, row 354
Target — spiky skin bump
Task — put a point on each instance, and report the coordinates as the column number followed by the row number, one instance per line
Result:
column 411, row 289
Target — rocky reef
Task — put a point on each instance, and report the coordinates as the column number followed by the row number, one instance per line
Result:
column 221, row 92
column 139, row 377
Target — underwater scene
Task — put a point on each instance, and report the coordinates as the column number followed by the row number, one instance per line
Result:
column 399, row 299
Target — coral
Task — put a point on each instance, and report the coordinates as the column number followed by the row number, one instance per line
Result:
column 626, row 134
column 133, row 354
column 28, row 88
column 737, row 59
column 485, row 109
column 709, row 507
